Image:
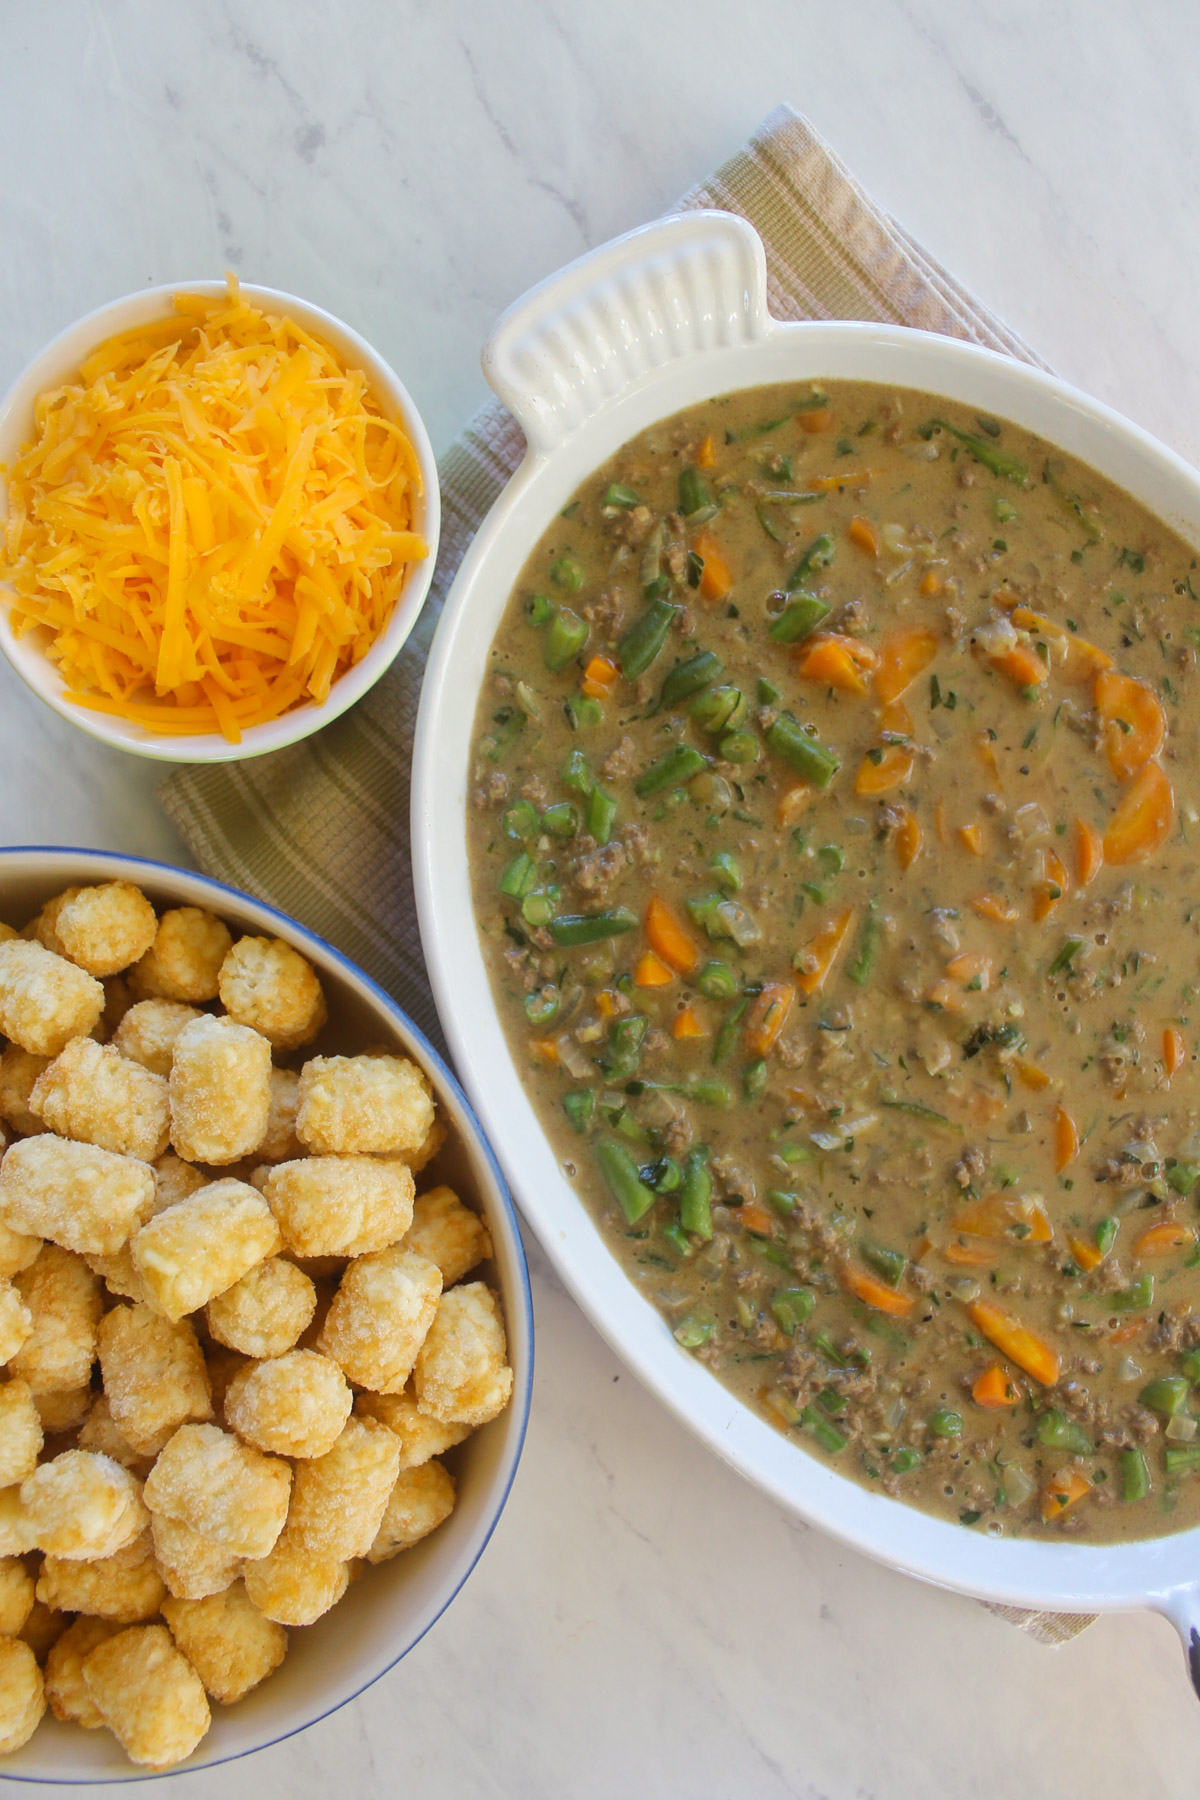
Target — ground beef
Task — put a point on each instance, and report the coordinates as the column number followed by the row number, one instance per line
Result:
column 594, row 870
column 791, row 1049
column 606, row 612
column 971, row 1166
column 492, row 789
column 1170, row 1332
column 638, row 844
column 534, row 790
column 620, row 761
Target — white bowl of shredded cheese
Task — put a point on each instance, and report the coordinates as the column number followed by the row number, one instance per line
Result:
column 219, row 519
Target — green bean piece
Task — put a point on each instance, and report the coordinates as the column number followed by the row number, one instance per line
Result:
column 1166, row 1394
column 579, row 1104
column 645, row 638
column 1182, row 1176
column 694, row 1330
column 560, row 820
column 1106, row 1232
column 695, row 1194
column 583, row 711
column 571, row 929
column 1000, row 462
column 861, row 966
column 540, row 906
column 727, row 870
column 1133, row 1299
column 664, row 1176
column 808, row 757
column 577, row 774
column 623, row 1046
column 601, row 812
column 520, row 821
column 800, row 617
column 1057, row 1432
column 1066, row 956
column 754, row 1079
column 791, row 1306
column 519, row 876
column 727, row 1033
column 540, row 610
column 542, row 1006
column 768, row 693
column 915, row 1110
column 1181, row 1459
column 1092, row 527
column 1190, row 1364
column 796, row 1153
column 717, row 981
column 773, row 527
column 740, row 747
column 617, row 494
column 678, row 765
column 565, row 638
column 888, row 1263
column 695, row 496
column 620, row 1173
column 906, row 1460
column 823, row 1431
column 677, row 1237
column 690, row 677
column 650, row 562
column 567, row 573
column 706, row 1092
column 1135, row 1475
column 832, row 858
column 944, row 1422
column 718, row 708
column 818, row 555
column 827, row 1347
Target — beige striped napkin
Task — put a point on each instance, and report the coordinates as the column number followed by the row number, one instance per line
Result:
column 321, row 830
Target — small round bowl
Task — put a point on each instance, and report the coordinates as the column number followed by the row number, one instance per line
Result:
column 58, row 363
column 392, row 1605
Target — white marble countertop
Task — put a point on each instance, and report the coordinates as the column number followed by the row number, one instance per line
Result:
column 643, row 1621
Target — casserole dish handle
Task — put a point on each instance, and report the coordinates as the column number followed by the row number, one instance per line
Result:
column 668, row 292
column 1182, row 1607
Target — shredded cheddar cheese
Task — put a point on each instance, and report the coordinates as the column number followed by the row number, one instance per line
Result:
column 212, row 524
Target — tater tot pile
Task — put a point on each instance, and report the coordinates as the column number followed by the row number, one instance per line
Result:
column 236, row 1340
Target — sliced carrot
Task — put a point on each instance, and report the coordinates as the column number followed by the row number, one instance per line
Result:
column 987, row 1104
column 987, row 750
column 1087, row 1253
column 991, row 906
column 652, row 972
column 819, row 419
column 884, row 769
column 895, row 717
column 1128, row 1329
column 972, row 838
column 995, row 1388
column 754, row 1217
column 969, row 1256
column 1136, row 725
column 1004, row 1216
column 1023, row 666
column 821, row 952
column 1174, row 1049
column 1012, row 1339
column 1053, row 885
column 767, row 1017
column 669, row 937
column 837, row 660
column 545, row 1049
column 688, row 1024
column 1066, row 1139
column 600, row 677
column 971, row 965
column 1089, row 852
column 1084, row 661
column 930, row 584
column 875, row 1294
column 1028, row 620
column 1032, row 1075
column 903, row 656
column 1062, row 1491
column 909, row 839
column 860, row 531
column 706, row 456
column 946, row 995
column 606, row 1003
column 1162, row 1239
column 1005, row 597
column 792, row 804
column 1143, row 818
column 716, row 577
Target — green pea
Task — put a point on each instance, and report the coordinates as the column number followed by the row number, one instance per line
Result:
column 945, row 1423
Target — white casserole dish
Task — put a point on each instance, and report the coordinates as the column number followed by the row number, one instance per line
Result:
column 654, row 322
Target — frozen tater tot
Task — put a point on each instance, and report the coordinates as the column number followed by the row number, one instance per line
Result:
column 227, row 1640
column 220, row 1090
column 149, row 1696
column 18, row 1250
column 432, row 1142
column 338, row 1499
column 202, row 1245
column 265, row 1312
column 338, row 1205
column 379, row 1317
column 15, row 1532
column 100, row 1432
column 19, row 1071
column 266, row 984
column 294, row 1405
column 174, row 1180
column 125, row 1587
column 22, row 1698
column 280, row 1143
column 16, row 1320
column 77, row 1195
column 448, row 1233
column 21, row 1434
column 462, row 1373
column 184, row 961
column 16, row 1595
column 63, row 1412
column 192, row 1566
column 92, row 1093
column 294, row 1586
column 63, row 1297
column 420, row 1436
column 82, row 1506
column 104, row 928
column 224, row 1489
column 154, row 1375
column 352, row 1105
column 65, row 1687
column 45, row 1000
column 148, row 1032
column 422, row 1499
column 42, row 1630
